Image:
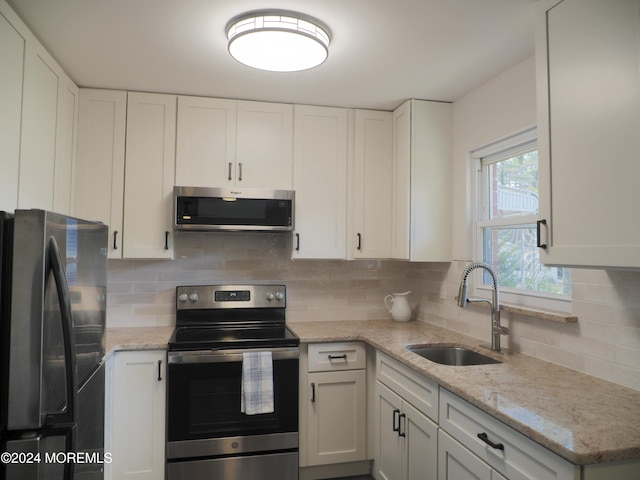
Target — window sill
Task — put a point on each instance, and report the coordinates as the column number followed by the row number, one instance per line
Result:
column 552, row 316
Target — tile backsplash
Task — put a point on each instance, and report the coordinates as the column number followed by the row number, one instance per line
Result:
column 605, row 342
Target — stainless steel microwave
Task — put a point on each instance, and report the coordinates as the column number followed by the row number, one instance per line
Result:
column 210, row 209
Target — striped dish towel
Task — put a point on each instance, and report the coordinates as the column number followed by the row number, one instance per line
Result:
column 257, row 383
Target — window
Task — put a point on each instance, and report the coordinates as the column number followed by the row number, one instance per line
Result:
column 506, row 222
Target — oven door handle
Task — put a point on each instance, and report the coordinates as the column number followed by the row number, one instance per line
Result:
column 220, row 356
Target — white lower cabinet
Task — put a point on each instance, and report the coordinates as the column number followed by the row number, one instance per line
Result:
column 486, row 444
column 135, row 415
column 335, row 404
column 337, row 417
column 407, row 437
column 458, row 463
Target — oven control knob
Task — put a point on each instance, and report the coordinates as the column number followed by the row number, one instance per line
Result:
column 270, row 296
column 193, row 297
column 183, row 297
column 279, row 296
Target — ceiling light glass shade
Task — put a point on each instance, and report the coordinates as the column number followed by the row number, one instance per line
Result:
column 278, row 41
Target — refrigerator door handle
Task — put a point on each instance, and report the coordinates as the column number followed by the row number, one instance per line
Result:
column 62, row 288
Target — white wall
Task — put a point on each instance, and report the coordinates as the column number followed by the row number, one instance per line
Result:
column 501, row 107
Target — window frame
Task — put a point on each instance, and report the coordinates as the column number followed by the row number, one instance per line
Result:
column 505, row 148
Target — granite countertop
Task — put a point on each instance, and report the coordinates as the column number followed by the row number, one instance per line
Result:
column 136, row 338
column 581, row 418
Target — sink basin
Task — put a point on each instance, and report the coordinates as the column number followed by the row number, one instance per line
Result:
column 455, row 356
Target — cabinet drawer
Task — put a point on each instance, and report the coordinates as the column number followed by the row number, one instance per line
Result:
column 421, row 392
column 328, row 357
column 521, row 458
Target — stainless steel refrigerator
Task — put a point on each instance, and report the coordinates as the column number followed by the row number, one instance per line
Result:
column 52, row 322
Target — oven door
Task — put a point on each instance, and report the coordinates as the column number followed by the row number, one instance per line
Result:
column 203, row 409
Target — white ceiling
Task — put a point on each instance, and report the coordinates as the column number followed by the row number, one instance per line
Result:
column 382, row 51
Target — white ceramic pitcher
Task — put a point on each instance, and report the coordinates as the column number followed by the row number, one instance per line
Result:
column 398, row 306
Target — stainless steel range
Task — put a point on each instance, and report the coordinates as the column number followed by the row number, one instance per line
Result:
column 212, row 432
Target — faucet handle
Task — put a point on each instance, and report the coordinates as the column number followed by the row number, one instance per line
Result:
column 501, row 330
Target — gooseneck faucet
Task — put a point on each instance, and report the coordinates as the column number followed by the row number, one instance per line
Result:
column 496, row 328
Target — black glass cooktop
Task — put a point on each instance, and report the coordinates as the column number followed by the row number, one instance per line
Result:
column 217, row 337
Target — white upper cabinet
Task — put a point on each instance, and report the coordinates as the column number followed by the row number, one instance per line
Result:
column 320, row 182
column 99, row 188
column 264, row 148
column 230, row 143
column 588, row 67
column 66, row 138
column 38, row 137
column 206, row 142
column 38, row 122
column 12, row 46
column 422, row 181
column 371, row 217
column 149, row 173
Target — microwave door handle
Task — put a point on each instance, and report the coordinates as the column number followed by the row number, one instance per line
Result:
column 64, row 298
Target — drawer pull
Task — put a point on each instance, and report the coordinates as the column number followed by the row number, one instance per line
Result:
column 338, row 357
column 485, row 438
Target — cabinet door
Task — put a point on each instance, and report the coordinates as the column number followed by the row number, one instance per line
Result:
column 588, row 66
column 422, row 155
column 65, row 157
column 320, row 182
column 371, row 229
column 206, row 142
column 264, row 152
column 38, row 137
column 12, row 46
column 457, row 463
column 337, row 417
column 390, row 445
column 421, row 445
column 150, row 169
column 401, row 198
column 135, row 415
column 99, row 188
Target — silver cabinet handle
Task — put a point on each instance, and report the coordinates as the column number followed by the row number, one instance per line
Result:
column 229, row 174
column 240, row 171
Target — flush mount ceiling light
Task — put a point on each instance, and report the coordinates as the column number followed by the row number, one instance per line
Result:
column 278, row 41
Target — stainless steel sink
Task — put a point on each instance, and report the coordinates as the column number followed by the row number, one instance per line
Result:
column 451, row 355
